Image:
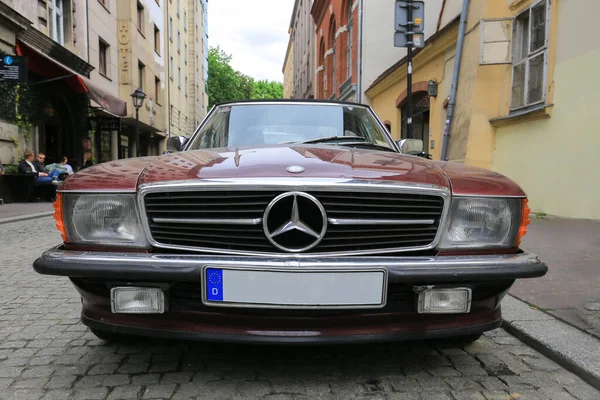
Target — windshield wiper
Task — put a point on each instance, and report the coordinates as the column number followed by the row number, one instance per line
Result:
column 369, row 144
column 333, row 138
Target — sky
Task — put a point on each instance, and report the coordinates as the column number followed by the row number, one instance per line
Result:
column 253, row 32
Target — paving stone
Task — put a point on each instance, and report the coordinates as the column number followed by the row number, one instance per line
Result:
column 133, row 368
column 46, row 360
column 117, row 380
column 254, row 389
column 497, row 395
column 10, row 372
column 57, row 394
column 467, row 395
column 61, row 382
column 102, row 369
column 176, row 377
column 164, row 367
column 32, row 383
column 5, row 382
column 38, row 372
column 90, row 394
column 25, row 394
column 125, row 392
column 159, row 391
column 145, row 379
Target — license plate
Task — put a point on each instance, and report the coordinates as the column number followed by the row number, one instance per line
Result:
column 241, row 287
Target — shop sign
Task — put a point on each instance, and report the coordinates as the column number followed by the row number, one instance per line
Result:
column 13, row 69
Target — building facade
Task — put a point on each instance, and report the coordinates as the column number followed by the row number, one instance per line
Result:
column 185, row 21
column 353, row 49
column 288, row 69
column 60, row 93
column 85, row 59
column 302, row 34
column 525, row 98
column 142, row 65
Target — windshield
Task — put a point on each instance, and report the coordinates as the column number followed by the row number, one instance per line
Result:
column 270, row 124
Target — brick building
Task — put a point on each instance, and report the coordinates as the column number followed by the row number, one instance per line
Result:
column 355, row 44
column 337, row 49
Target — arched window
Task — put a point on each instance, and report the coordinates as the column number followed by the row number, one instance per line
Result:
column 332, row 30
column 322, row 78
column 349, row 39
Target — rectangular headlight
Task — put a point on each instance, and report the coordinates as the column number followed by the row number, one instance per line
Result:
column 103, row 219
column 482, row 222
column 137, row 300
column 445, row 301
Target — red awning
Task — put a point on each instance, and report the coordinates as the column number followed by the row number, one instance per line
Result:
column 45, row 66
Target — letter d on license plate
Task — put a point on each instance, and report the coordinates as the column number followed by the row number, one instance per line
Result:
column 271, row 288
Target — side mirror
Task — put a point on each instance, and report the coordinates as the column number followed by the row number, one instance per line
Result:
column 176, row 143
column 411, row 146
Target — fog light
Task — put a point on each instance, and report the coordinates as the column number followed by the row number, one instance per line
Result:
column 445, row 301
column 137, row 300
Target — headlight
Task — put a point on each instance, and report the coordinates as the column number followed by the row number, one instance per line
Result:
column 104, row 219
column 481, row 222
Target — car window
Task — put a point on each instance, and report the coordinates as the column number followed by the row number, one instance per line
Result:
column 246, row 125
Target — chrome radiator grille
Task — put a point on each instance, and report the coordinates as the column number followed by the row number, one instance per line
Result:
column 226, row 220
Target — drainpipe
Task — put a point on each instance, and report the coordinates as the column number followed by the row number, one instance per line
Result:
column 359, row 62
column 455, row 74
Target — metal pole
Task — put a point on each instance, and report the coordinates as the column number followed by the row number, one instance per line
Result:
column 455, row 74
column 137, row 132
column 410, row 33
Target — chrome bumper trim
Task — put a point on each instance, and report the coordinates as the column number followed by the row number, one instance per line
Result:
column 188, row 267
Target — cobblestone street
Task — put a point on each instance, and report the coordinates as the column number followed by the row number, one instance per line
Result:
column 45, row 352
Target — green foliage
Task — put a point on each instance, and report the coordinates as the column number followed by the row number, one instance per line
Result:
column 226, row 84
column 11, row 169
column 267, row 90
column 19, row 105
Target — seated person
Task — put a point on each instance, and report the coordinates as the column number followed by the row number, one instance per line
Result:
column 64, row 169
column 64, row 162
column 41, row 178
column 39, row 163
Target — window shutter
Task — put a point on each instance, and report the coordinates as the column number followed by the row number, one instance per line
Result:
column 495, row 41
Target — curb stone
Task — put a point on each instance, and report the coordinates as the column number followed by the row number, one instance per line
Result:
column 571, row 348
column 25, row 217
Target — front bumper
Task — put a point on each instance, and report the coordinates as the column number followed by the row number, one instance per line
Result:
column 187, row 318
column 188, row 268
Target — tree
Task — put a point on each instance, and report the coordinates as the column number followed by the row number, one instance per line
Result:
column 223, row 80
column 265, row 89
column 226, row 84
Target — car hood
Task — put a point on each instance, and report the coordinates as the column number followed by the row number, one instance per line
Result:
column 318, row 161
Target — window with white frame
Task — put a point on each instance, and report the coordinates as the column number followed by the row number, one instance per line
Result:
column 56, row 10
column 530, row 56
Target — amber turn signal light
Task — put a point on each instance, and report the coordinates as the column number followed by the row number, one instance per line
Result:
column 58, row 217
column 525, row 220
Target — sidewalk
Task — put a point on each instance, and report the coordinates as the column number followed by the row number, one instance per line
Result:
column 22, row 211
column 571, row 289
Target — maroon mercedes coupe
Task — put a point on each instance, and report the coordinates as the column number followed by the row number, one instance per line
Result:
column 290, row 222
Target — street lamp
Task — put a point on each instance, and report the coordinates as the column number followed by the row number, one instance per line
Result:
column 138, row 99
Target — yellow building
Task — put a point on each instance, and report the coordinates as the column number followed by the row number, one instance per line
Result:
column 526, row 96
column 288, row 70
column 185, row 56
column 141, row 65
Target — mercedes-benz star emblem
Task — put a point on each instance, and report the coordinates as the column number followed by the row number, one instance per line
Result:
column 295, row 222
column 295, row 169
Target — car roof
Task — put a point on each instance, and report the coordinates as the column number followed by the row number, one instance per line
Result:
column 283, row 101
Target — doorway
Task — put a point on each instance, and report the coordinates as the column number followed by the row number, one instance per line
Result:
column 420, row 119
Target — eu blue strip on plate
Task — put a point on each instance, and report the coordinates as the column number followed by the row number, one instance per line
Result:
column 214, row 284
